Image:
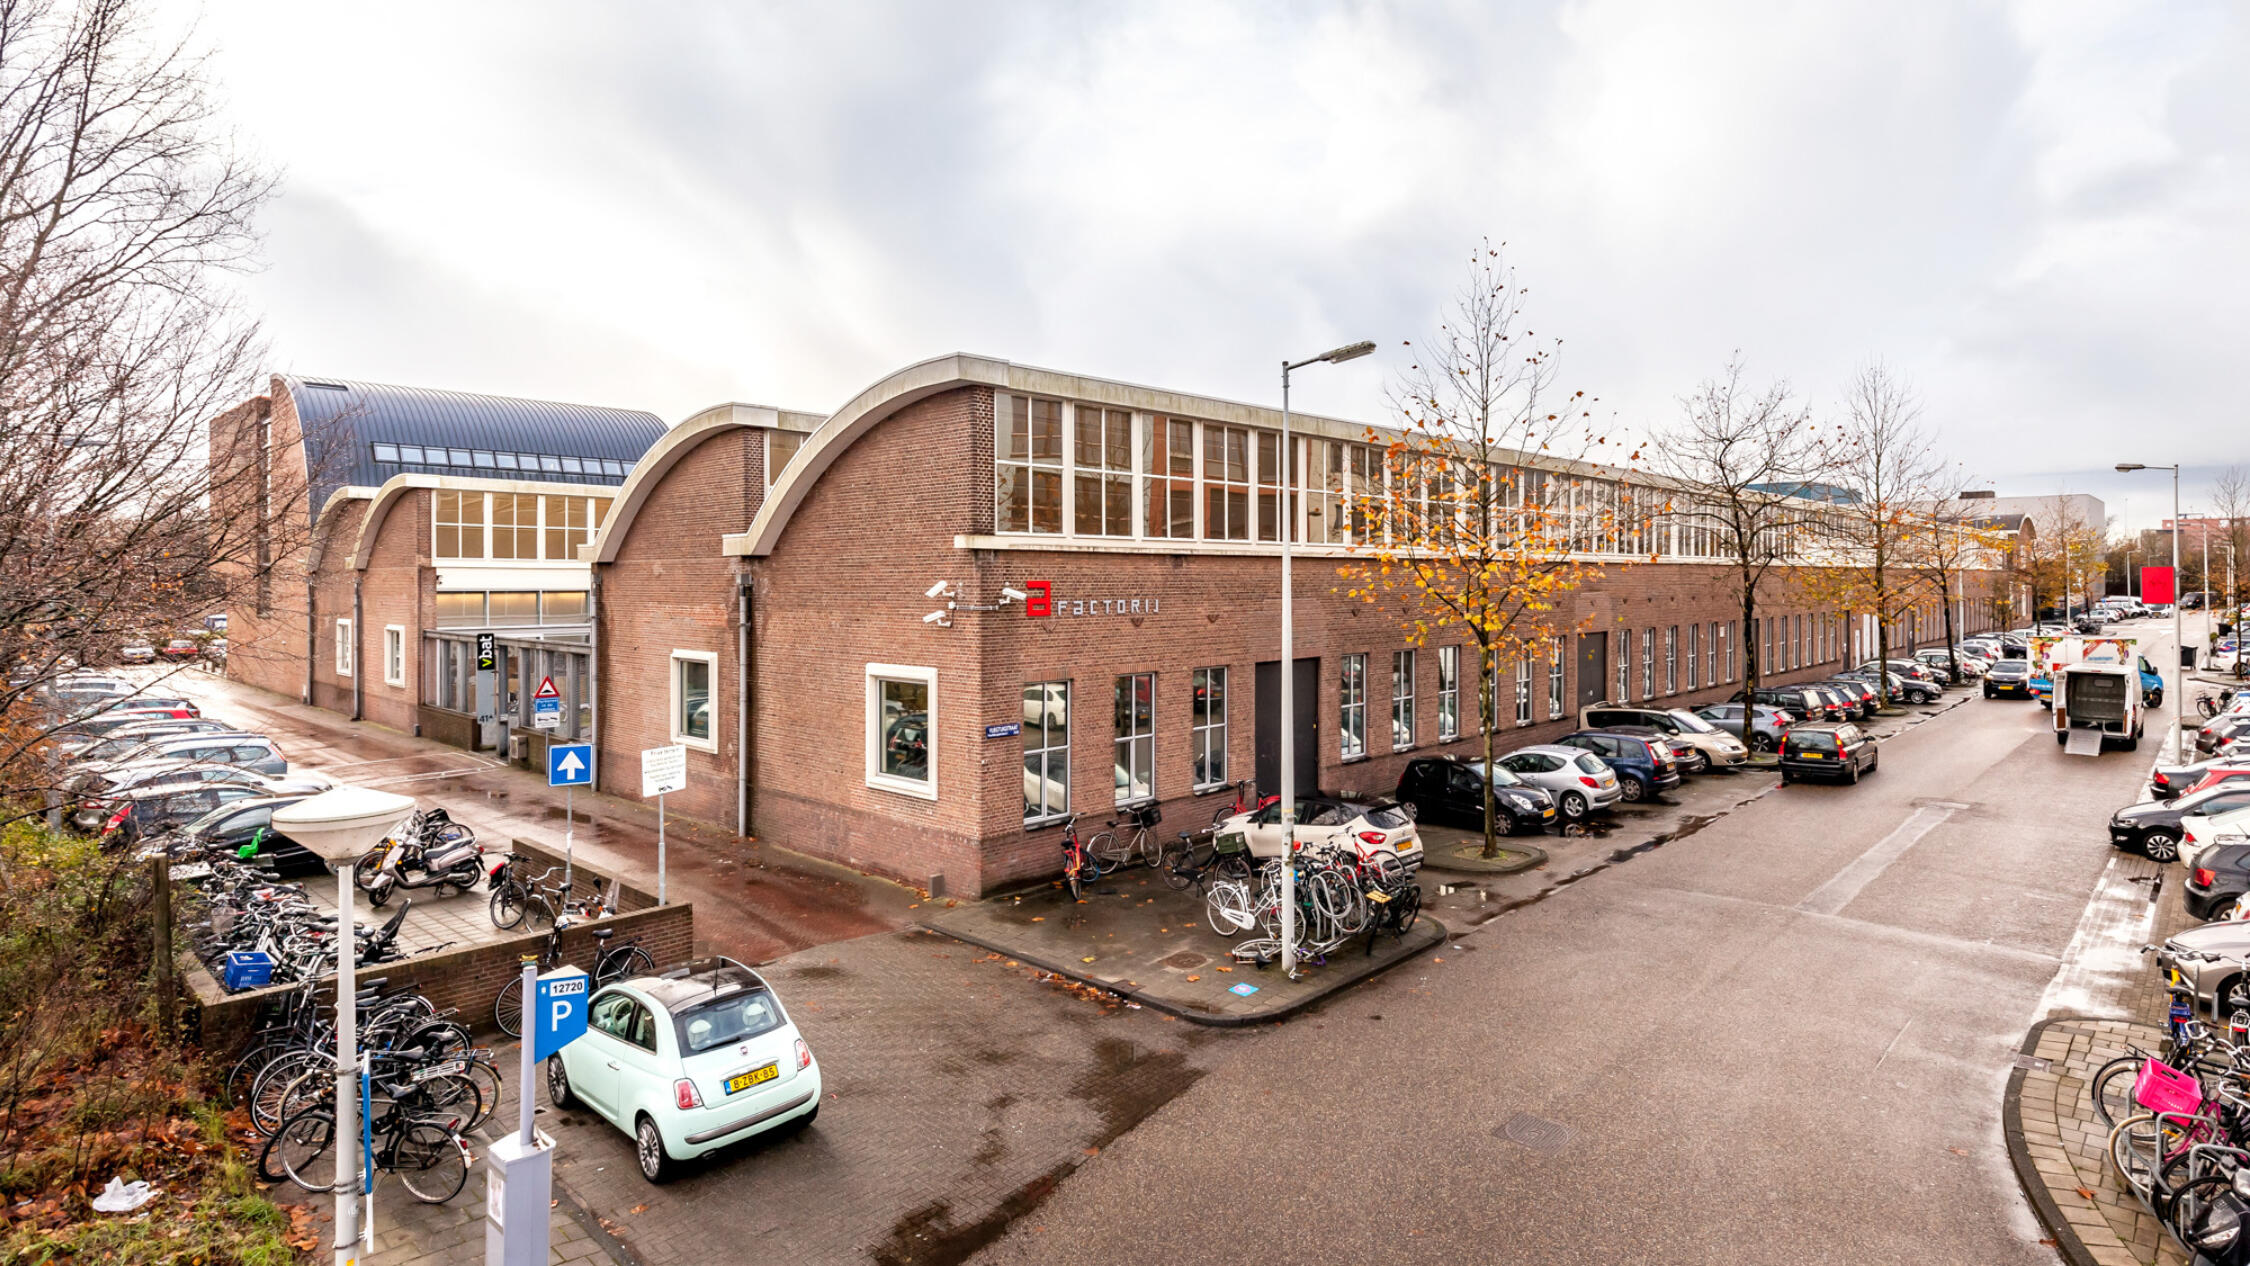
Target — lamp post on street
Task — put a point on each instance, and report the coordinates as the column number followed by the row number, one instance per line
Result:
column 2133, row 590
column 2178, row 690
column 1335, row 356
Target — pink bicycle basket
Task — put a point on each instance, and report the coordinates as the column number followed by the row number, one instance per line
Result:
column 2163, row 1088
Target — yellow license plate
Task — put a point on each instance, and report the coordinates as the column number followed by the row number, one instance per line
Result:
column 743, row 1081
column 1813, row 755
column 1546, row 813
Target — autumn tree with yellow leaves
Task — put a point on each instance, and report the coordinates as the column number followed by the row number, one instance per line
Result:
column 1458, row 532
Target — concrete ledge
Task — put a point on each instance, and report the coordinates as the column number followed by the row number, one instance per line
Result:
column 1462, row 858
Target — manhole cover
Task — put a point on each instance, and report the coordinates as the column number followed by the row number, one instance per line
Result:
column 1186, row 959
column 2032, row 1063
column 1537, row 1133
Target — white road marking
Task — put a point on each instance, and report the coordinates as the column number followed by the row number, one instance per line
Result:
column 1838, row 892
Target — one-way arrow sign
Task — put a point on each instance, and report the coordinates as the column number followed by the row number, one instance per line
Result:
column 570, row 764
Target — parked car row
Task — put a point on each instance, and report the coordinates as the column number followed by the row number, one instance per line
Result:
column 135, row 762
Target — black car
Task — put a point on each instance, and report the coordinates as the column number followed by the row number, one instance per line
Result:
column 2213, row 887
column 1827, row 751
column 2220, row 731
column 1790, row 699
column 1862, row 694
column 2008, row 677
column 1451, row 793
column 1643, row 762
column 248, row 825
column 2153, row 826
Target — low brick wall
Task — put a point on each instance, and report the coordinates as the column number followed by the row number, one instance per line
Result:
column 455, row 728
column 466, row 981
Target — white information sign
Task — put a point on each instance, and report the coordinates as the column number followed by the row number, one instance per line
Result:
column 663, row 770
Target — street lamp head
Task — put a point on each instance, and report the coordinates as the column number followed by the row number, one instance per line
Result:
column 1342, row 354
column 2129, row 467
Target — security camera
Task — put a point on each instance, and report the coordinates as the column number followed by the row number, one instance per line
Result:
column 937, row 590
column 938, row 618
column 1014, row 595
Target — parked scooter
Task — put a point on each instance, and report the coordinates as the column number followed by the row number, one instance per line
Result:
column 413, row 839
column 430, row 851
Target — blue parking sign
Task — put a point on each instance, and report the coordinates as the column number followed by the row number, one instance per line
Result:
column 558, row 1015
column 570, row 764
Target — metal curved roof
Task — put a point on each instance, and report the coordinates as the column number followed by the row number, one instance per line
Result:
column 364, row 433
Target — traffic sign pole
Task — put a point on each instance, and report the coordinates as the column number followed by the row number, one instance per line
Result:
column 570, row 834
column 660, row 850
column 528, row 1076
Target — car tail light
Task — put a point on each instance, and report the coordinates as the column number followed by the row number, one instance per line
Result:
column 2205, row 878
column 804, row 1054
column 2163, row 779
column 1589, row 782
column 684, row 1094
column 1376, row 838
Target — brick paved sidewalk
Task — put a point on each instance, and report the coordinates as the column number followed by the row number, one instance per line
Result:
column 2051, row 1124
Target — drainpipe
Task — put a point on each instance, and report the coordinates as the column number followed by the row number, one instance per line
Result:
column 359, row 663
column 594, row 669
column 742, row 665
column 312, row 636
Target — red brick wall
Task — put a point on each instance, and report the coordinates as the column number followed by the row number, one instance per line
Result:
column 332, row 601
column 671, row 589
column 266, row 644
column 399, row 588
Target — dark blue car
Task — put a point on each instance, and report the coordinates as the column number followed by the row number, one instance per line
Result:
column 1642, row 759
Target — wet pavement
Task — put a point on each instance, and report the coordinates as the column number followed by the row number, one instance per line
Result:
column 754, row 901
column 1134, row 936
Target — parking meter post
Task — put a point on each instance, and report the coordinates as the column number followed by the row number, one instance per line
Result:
column 527, row 1074
column 660, row 850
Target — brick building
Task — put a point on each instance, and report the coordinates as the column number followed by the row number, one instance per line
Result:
column 433, row 516
column 823, row 611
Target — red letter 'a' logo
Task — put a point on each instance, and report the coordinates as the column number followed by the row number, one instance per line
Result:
column 1042, row 599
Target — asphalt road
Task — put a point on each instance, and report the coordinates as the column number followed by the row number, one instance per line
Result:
column 1780, row 1039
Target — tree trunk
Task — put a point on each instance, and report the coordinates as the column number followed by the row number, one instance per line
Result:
column 1750, row 665
column 1952, row 656
column 1489, row 705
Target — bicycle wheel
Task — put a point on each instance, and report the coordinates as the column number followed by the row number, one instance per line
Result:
column 624, row 965
column 1106, row 853
column 244, row 1074
column 369, row 865
column 431, row 1164
column 2111, row 1089
column 1177, row 876
column 1073, row 868
column 507, row 1009
column 2202, row 1215
column 508, row 906
column 488, row 1083
column 1226, row 907
column 269, row 1092
column 1409, row 903
column 305, row 1148
column 2136, row 1147
column 456, row 1098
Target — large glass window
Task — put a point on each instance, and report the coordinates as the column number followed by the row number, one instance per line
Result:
column 513, row 609
column 1046, row 750
column 693, row 675
column 1448, row 693
column 1103, row 490
column 1523, row 690
column 1209, row 737
column 1136, row 738
column 1271, row 503
column 1352, row 723
column 1226, row 483
column 567, row 526
column 562, row 607
column 1170, row 500
column 1325, row 516
column 344, row 648
column 1402, row 700
column 515, row 525
column 1672, row 660
column 460, row 524
column 1726, row 636
column 1555, row 703
column 1029, row 436
column 901, row 729
column 394, row 654
column 1694, row 652
column 460, row 610
column 781, row 446
column 1621, row 648
column 1648, row 663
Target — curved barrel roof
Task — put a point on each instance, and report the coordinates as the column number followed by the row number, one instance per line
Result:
column 363, row 433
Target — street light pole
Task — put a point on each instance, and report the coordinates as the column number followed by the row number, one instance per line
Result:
column 1288, row 674
column 2178, row 690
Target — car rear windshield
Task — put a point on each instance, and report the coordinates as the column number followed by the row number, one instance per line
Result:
column 732, row 1018
column 1815, row 742
column 1385, row 817
column 1592, row 764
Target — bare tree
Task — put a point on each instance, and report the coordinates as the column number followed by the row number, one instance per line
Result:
column 1882, row 454
column 1457, row 529
column 1951, row 543
column 122, row 204
column 1737, row 460
column 2230, row 499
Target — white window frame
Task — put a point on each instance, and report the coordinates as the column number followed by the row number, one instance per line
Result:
column 1210, row 738
column 1403, row 668
column 1123, row 746
column 1523, row 690
column 1694, row 656
column 394, row 654
column 710, row 660
column 1351, row 696
column 1448, row 693
column 876, row 778
column 345, row 648
column 1555, row 701
column 1070, row 705
column 1671, row 659
column 1648, row 664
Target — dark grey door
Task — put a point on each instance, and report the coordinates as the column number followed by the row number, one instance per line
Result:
column 1269, row 726
column 1593, row 667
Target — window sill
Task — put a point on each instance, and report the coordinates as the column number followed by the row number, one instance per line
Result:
column 1211, row 790
column 701, row 745
column 1352, row 760
column 903, row 787
column 1041, row 824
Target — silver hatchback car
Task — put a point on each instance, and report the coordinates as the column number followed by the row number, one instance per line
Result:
column 1581, row 782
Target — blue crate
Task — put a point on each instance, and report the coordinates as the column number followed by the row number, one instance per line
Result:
column 247, row 969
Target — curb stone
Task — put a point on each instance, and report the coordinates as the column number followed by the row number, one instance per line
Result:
column 2034, row 1184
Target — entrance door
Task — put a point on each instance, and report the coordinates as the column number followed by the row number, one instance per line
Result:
column 1593, row 668
column 1269, row 726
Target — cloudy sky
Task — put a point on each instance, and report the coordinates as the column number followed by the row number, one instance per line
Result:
column 2035, row 211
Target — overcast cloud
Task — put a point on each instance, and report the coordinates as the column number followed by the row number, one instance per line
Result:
column 2036, row 211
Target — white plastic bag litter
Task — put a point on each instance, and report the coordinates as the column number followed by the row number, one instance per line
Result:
column 123, row 1197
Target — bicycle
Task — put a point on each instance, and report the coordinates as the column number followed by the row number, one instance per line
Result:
column 427, row 1151
column 611, row 962
column 1192, row 865
column 1142, row 820
column 541, row 899
column 1245, row 800
column 1081, row 865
